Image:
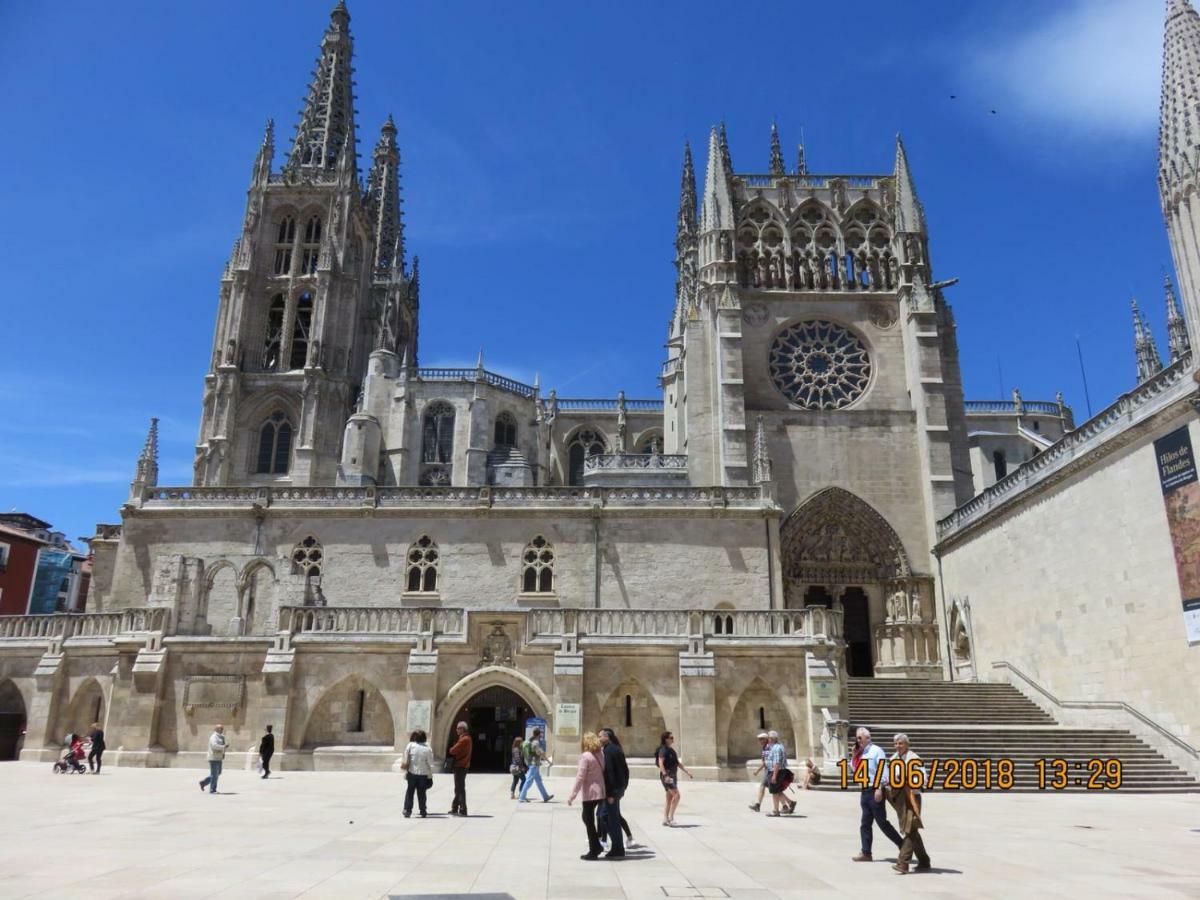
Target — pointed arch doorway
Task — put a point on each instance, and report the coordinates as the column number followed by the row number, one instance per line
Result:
column 839, row 553
column 495, row 715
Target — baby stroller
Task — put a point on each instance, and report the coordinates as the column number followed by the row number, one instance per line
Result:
column 70, row 761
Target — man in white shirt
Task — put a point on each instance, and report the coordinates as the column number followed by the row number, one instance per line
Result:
column 216, row 758
column 873, row 810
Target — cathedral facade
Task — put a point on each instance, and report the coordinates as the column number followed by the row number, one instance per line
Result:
column 370, row 546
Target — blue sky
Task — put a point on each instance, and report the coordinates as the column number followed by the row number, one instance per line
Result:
column 541, row 149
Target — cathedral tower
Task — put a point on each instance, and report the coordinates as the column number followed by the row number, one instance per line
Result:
column 1179, row 151
column 316, row 281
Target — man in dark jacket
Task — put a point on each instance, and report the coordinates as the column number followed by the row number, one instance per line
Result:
column 266, row 749
column 616, row 780
column 96, row 736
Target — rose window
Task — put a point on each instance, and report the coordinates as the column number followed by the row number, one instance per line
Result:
column 819, row 365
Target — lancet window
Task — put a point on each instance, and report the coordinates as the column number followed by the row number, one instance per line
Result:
column 585, row 443
column 537, row 564
column 283, row 246
column 301, row 331
column 274, row 445
column 273, row 343
column 308, row 559
column 505, row 432
column 310, row 249
column 423, row 565
column 437, row 444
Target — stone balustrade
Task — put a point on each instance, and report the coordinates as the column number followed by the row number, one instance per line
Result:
column 63, row 626
column 910, row 649
column 636, row 461
column 814, row 624
column 617, row 497
column 384, row 620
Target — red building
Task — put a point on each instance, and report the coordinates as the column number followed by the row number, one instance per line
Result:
column 18, row 566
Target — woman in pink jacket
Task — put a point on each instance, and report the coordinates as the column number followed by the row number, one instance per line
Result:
column 589, row 779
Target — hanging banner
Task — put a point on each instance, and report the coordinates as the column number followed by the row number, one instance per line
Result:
column 1181, row 493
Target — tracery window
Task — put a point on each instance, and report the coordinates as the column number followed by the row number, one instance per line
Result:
column 301, row 331
column 819, row 365
column 283, row 246
column 760, row 254
column 310, row 249
column 437, row 444
column 274, row 445
column 423, row 565
column 274, row 339
column 308, row 559
column 585, row 443
column 538, row 567
column 505, row 430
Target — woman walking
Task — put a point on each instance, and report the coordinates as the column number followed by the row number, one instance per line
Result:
column 516, row 766
column 417, row 763
column 589, row 780
column 668, row 773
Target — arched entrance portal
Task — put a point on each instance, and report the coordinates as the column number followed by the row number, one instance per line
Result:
column 839, row 552
column 496, row 715
column 12, row 720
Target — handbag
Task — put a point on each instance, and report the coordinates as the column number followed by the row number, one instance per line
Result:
column 448, row 764
column 428, row 782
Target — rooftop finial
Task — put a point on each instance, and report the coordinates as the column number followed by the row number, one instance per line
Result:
column 762, row 457
column 726, row 159
column 1178, row 342
column 686, row 224
column 146, row 475
column 1148, row 361
column 383, row 201
column 777, row 167
column 910, row 215
column 801, row 159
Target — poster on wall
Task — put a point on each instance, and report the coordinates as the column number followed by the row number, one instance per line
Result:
column 1181, row 493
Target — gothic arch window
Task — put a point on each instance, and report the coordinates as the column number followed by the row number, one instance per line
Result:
column 274, row 338
column 505, row 432
column 586, row 442
column 308, row 559
column 423, row 565
column 274, row 445
column 283, row 246
column 650, row 442
column 310, row 249
column 761, row 252
column 437, row 443
column 301, row 331
column 819, row 365
column 537, row 564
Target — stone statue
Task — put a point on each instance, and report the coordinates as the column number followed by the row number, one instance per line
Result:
column 914, row 613
column 726, row 247
column 313, row 359
column 231, row 352
column 497, row 648
column 622, row 423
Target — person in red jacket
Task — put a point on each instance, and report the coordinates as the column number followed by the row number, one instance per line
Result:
column 461, row 753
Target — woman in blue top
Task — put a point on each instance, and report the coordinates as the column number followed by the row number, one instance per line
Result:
column 668, row 772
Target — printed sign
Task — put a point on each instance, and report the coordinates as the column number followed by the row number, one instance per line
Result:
column 533, row 723
column 824, row 692
column 1181, row 495
column 420, row 712
column 566, row 719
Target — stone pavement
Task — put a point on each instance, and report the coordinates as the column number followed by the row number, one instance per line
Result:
column 151, row 833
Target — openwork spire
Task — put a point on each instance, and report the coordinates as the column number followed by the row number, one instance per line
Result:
column 146, row 475
column 1148, row 362
column 762, row 458
column 266, row 154
column 327, row 122
column 777, row 167
column 716, row 212
column 686, row 224
column 1179, row 128
column 910, row 214
column 801, row 160
column 1177, row 335
column 725, row 157
column 383, row 200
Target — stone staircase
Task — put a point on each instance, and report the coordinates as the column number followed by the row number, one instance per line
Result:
column 979, row 722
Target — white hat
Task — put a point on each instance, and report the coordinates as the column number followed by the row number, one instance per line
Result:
column 763, row 736
column 773, row 734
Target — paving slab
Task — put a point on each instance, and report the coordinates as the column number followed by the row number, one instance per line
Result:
column 150, row 833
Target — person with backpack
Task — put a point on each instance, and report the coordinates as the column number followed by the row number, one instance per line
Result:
column 532, row 755
column 516, row 766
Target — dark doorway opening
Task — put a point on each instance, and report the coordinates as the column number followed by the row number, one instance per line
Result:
column 496, row 716
column 12, row 721
column 857, row 632
column 818, row 595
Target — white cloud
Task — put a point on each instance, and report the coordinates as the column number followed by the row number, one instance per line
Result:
column 1091, row 66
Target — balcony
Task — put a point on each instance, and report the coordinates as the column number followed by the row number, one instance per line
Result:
column 635, row 470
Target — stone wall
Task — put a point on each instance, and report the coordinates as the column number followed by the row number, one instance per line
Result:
column 1076, row 586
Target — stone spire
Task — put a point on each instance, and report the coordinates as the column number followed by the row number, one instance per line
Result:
column 1177, row 336
column 777, row 167
column 383, row 201
column 801, row 160
column 326, row 126
column 1148, row 362
column 716, row 211
column 725, row 157
column 686, row 224
column 146, row 475
column 910, row 215
column 266, row 155
column 762, row 458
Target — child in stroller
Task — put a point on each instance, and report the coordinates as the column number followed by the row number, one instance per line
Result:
column 71, row 758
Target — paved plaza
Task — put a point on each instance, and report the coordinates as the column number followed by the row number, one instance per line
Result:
column 151, row 833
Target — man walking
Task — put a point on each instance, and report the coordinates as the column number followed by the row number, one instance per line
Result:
column 871, row 801
column 616, row 780
column 777, row 766
column 461, row 753
column 764, row 744
column 96, row 736
column 533, row 755
column 216, row 756
column 266, row 749
column 907, row 801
